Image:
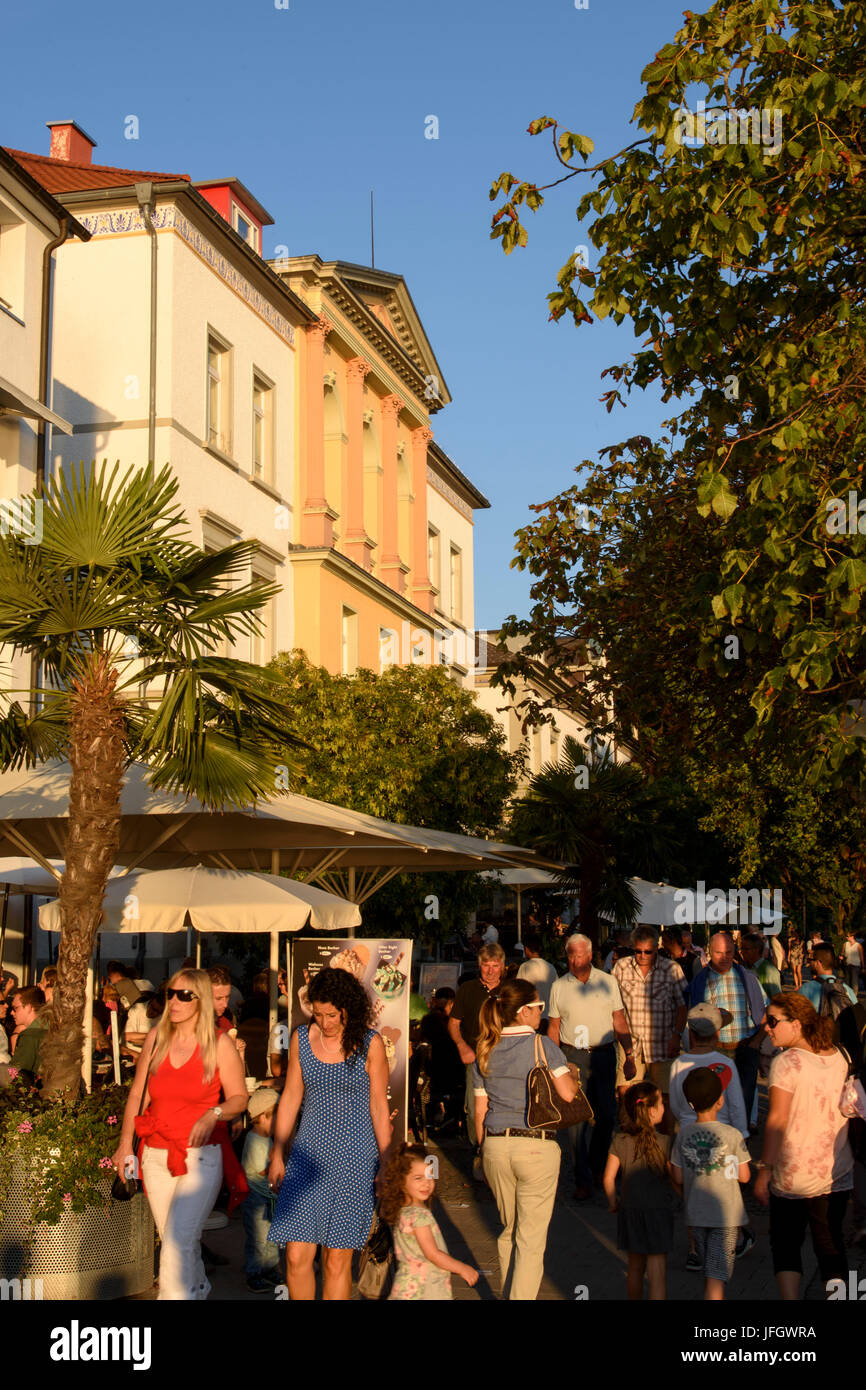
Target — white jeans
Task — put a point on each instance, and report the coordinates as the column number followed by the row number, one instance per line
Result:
column 179, row 1207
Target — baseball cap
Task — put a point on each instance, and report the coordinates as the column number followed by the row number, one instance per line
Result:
column 262, row 1100
column 702, row 1088
column 706, row 1019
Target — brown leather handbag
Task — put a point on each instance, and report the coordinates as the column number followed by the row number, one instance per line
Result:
column 545, row 1108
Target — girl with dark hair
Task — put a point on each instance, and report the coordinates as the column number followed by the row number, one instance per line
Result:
column 645, row 1222
column 521, row 1165
column 424, row 1267
column 806, row 1169
column 338, row 1073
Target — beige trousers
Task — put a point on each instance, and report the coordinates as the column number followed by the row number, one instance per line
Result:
column 523, row 1174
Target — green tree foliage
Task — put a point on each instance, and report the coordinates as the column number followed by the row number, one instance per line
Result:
column 740, row 266
column 716, row 566
column 609, row 823
column 410, row 746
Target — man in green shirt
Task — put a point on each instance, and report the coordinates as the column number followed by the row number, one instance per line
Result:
column 753, row 958
column 26, row 1005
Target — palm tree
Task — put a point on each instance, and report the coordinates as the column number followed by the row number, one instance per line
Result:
column 600, row 818
column 123, row 615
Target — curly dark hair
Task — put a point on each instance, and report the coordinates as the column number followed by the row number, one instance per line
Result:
column 393, row 1197
column 341, row 989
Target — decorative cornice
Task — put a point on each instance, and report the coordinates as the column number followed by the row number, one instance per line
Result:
column 391, row 406
column 350, row 570
column 357, row 367
column 448, row 493
column 168, row 218
column 320, row 329
column 421, row 437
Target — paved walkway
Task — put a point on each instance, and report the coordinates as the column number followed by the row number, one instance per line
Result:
column 582, row 1260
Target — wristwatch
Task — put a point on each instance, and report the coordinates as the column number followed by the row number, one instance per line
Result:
column 217, row 1110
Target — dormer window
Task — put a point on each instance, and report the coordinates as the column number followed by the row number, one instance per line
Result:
column 244, row 228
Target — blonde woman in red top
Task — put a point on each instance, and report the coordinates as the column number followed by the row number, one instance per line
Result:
column 183, row 1068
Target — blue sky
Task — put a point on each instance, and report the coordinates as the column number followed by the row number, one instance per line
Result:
column 314, row 105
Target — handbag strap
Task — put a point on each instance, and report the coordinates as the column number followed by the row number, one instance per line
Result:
column 540, row 1059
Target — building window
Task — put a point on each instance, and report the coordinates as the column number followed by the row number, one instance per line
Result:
column 263, row 429
column 219, row 394
column 262, row 644
column 349, row 641
column 434, row 558
column 456, row 584
column 389, row 654
column 245, row 228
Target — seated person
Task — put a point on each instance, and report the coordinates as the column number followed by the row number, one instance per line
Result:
column 121, row 977
column 27, row 1005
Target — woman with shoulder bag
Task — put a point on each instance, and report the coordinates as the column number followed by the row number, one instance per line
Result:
column 521, row 1165
column 174, row 1108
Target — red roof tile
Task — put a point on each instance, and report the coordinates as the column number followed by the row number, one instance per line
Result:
column 57, row 176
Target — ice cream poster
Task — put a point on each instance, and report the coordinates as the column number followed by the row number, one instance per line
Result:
column 384, row 968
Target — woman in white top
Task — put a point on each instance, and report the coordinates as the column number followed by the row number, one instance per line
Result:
column 806, row 1169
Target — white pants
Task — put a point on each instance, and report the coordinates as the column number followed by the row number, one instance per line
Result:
column 179, row 1207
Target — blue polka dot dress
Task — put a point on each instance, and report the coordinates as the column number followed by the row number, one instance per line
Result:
column 327, row 1195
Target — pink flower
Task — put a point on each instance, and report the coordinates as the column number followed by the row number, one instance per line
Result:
column 13, row 1072
column 105, row 1163
column 67, row 1196
column 25, row 1128
column 112, row 1120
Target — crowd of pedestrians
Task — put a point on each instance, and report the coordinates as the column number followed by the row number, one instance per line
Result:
column 666, row 1044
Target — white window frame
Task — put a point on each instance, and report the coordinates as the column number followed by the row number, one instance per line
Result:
column 434, row 558
column 219, row 437
column 349, row 640
column 455, row 597
column 263, row 384
column 252, row 240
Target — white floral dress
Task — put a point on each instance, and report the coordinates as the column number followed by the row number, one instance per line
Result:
column 416, row 1277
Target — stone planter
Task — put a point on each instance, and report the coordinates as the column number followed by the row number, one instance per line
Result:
column 94, row 1254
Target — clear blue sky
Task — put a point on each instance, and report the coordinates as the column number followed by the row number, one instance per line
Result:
column 312, row 106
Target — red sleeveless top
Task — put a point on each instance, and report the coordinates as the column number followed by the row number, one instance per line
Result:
column 178, row 1097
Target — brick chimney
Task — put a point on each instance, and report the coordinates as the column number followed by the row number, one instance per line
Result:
column 70, row 143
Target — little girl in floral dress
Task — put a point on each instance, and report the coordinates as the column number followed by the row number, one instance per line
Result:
column 424, row 1267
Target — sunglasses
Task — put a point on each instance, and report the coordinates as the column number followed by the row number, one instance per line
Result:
column 773, row 1020
column 536, row 1004
column 185, row 996
column 645, row 953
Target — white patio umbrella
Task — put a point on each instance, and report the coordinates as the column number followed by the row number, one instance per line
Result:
column 213, row 900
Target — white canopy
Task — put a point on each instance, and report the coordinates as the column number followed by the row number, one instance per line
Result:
column 216, row 900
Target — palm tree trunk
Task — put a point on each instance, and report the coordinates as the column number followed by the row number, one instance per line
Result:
column 97, row 760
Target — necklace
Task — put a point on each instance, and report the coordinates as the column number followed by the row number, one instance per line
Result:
column 333, row 1050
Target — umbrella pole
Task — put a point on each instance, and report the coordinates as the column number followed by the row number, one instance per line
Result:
column 87, row 1051
column 115, row 1045
column 519, row 892
column 6, row 890
column 198, row 950
column 351, row 878
column 274, row 965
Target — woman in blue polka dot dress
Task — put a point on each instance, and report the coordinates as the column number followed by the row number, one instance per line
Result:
column 338, row 1080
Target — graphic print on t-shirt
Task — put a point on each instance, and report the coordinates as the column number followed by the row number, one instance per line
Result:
column 723, row 1072
column 703, row 1150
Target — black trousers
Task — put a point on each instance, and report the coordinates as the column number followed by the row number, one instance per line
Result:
column 790, row 1217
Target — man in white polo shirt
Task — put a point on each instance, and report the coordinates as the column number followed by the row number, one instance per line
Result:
column 586, row 1020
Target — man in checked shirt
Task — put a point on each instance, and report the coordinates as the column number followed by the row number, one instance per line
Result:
column 654, row 994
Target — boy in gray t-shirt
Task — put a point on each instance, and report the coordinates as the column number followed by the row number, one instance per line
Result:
column 710, row 1160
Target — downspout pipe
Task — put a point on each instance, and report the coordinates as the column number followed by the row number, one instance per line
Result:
column 42, row 428
column 45, row 346
column 144, row 194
